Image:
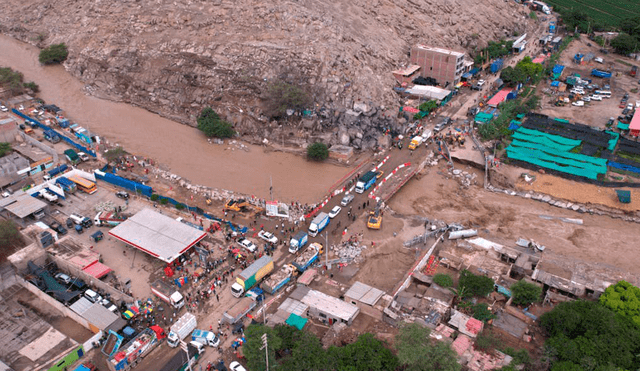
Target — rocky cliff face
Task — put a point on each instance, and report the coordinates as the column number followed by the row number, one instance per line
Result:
column 176, row 57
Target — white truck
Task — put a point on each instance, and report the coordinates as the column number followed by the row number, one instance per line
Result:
column 48, row 196
column 167, row 294
column 181, row 329
column 205, row 337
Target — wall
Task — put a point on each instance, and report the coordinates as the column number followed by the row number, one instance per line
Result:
column 40, row 145
column 365, row 308
column 68, row 360
column 88, row 345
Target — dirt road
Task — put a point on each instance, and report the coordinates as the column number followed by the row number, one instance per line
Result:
column 183, row 149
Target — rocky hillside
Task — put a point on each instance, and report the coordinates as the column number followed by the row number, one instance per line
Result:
column 176, row 57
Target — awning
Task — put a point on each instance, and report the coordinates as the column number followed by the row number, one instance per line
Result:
column 97, row 270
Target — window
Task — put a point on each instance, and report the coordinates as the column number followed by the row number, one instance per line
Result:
column 322, row 315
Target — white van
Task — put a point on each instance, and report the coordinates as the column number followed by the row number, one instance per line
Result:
column 603, row 93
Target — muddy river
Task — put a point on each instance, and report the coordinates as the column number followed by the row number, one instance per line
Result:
column 183, row 149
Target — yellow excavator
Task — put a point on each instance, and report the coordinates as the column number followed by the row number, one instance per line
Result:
column 374, row 221
column 241, row 205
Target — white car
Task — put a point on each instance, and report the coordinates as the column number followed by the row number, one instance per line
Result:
column 334, row 212
column 586, row 98
column 598, row 59
column 577, row 91
column 578, row 103
column 250, row 246
column 596, row 97
column 481, row 82
column 3, row 109
column 235, row 366
column 61, row 277
column 268, row 236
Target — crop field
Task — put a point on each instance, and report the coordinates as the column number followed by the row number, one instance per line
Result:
column 608, row 12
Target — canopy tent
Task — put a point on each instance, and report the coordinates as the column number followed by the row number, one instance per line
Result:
column 97, row 269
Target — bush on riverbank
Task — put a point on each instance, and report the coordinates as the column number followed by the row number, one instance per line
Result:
column 318, row 151
column 54, row 54
column 281, row 96
column 14, row 81
column 213, row 126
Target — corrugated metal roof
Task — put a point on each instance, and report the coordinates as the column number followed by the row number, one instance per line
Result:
column 158, row 235
column 364, row 293
column 22, row 205
column 94, row 313
column 330, row 305
column 293, row 306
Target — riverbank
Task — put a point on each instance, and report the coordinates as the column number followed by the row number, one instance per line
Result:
column 176, row 147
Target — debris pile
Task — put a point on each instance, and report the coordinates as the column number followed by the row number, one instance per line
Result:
column 350, row 250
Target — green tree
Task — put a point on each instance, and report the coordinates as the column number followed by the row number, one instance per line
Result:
column 428, row 106
column 487, row 342
column 418, row 352
column 590, row 335
column 443, row 280
column 9, row 234
column 623, row 298
column 477, row 285
column 306, row 353
column 5, row 149
column 577, row 19
column 281, row 96
column 318, row 151
column 624, row 43
column 32, row 86
column 487, row 131
column 525, row 293
column 256, row 356
column 513, row 76
column 365, row 354
column 210, row 123
column 11, row 80
column 631, row 26
column 54, row 54
column 481, row 312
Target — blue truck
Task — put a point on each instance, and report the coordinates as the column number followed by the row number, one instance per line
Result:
column 55, row 171
column 278, row 279
column 308, row 257
column 598, row 73
column 51, row 136
column 318, row 224
column 366, row 181
column 298, row 241
column 552, row 27
column 66, row 184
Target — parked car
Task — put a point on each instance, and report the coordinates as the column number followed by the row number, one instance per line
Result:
column 235, row 366
column 268, row 236
column 606, row 87
column 58, row 228
column 250, row 246
column 586, row 98
column 481, row 83
column 69, row 223
column 109, row 305
column 123, row 195
column 626, row 111
column 578, row 103
column 63, row 278
column 598, row 59
column 346, row 200
column 3, row 109
column 334, row 212
column 92, row 296
column 596, row 97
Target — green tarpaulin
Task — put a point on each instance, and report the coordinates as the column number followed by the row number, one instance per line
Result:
column 622, row 126
column 296, row 321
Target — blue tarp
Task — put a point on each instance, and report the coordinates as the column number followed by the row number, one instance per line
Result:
column 555, row 84
column 125, row 183
column 558, row 68
column 625, row 167
column 474, row 71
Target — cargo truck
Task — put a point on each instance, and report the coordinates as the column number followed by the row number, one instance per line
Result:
column 597, row 73
column 67, row 185
column 72, row 156
column 415, row 142
column 108, row 219
column 308, row 257
column 239, row 310
column 298, row 241
column 81, row 220
column 131, row 353
column 51, row 136
column 366, row 181
column 55, row 171
column 49, row 196
column 318, row 224
column 205, row 337
column 278, row 279
column 252, row 275
column 167, row 294
column 181, row 329
column 181, row 361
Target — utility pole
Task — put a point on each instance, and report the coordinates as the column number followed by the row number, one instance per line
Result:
column 271, row 187
column 184, row 347
column 265, row 346
column 326, row 249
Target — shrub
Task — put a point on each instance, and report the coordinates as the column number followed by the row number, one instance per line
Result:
column 5, row 148
column 180, row 206
column 486, row 342
column 154, row 197
column 210, row 123
column 482, row 313
column 443, row 280
column 54, row 54
column 32, row 86
column 164, row 201
column 477, row 285
column 318, row 151
column 525, row 293
column 281, row 96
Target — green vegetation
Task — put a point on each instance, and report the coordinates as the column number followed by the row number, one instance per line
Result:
column 487, row 342
column 180, row 206
column 418, row 352
column 428, row 106
column 5, row 149
column 533, row 15
column 281, row 96
column 154, row 197
column 32, row 86
column 318, row 151
column 585, row 335
column 524, row 71
column 14, row 81
column 9, row 234
column 476, row 285
column 213, row 126
column 525, row 293
column 494, row 50
column 499, row 128
column 54, row 54
column 482, row 313
column 292, row 350
column 624, row 44
column 595, row 15
column 443, row 280
column 114, row 154
column 623, row 298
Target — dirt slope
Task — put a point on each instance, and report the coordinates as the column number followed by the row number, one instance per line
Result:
column 175, row 57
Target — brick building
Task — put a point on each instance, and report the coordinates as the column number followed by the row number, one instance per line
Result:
column 446, row 66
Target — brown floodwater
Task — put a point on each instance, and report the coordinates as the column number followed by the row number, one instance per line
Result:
column 182, row 148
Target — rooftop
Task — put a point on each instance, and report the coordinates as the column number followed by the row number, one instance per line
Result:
column 440, row 50
column 330, row 305
column 22, row 204
column 158, row 235
column 430, row 92
column 407, row 71
column 364, row 293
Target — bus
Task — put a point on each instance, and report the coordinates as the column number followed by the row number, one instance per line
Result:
column 84, row 184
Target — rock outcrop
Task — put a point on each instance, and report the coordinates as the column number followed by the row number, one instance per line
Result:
column 176, row 57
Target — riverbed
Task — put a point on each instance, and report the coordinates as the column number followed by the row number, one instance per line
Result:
column 183, row 149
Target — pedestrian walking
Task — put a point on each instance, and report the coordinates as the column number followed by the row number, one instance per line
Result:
column 217, row 298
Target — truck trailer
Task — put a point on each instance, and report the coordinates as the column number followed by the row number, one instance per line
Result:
column 278, row 279
column 55, row 171
column 298, row 241
column 239, row 310
column 181, row 329
column 131, row 353
column 308, row 257
column 318, row 224
column 167, row 294
column 366, row 181
column 181, row 362
column 252, row 275
column 108, row 219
